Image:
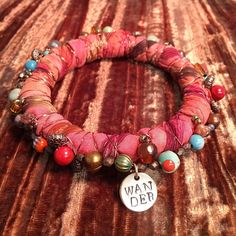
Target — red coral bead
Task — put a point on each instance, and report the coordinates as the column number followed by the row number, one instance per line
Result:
column 40, row 144
column 168, row 165
column 217, row 92
column 63, row 155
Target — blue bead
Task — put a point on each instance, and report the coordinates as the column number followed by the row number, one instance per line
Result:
column 30, row 65
column 54, row 44
column 197, row 142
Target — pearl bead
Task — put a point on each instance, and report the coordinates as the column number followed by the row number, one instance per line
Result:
column 211, row 127
column 40, row 144
column 137, row 33
column 202, row 130
column 214, row 119
column 217, row 92
column 30, row 65
column 169, row 161
column 147, row 152
column 93, row 161
column 123, row 163
column 107, row 29
column 54, row 44
column 152, row 37
column 14, row 94
column 63, row 155
column 197, row 142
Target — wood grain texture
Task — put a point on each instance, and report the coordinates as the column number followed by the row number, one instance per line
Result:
column 39, row 198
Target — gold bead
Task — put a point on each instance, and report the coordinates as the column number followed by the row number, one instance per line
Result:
column 16, row 106
column 93, row 161
column 214, row 119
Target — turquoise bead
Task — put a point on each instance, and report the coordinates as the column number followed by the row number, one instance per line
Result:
column 169, row 155
column 30, row 65
column 46, row 52
column 197, row 142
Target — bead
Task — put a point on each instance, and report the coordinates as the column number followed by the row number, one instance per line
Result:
column 56, row 140
column 217, row 92
column 46, row 52
column 168, row 166
column 123, row 163
column 197, row 142
column 54, row 44
column 77, row 164
column 21, row 75
column 211, row 127
column 30, row 65
column 40, row 144
column 137, row 33
column 63, row 155
column 182, row 53
column 107, row 29
column 93, row 161
column 108, row 161
column 20, row 84
column 16, row 106
column 36, row 53
column 209, row 80
column 14, row 94
column 214, row 119
column 201, row 69
column 152, row 37
column 96, row 30
column 84, row 33
column 202, row 130
column 147, row 152
column 196, row 119
column 214, row 106
column 143, row 138
column 169, row 161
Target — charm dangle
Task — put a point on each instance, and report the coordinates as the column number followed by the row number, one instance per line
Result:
column 138, row 191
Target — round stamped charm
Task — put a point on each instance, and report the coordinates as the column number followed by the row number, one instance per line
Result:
column 138, row 194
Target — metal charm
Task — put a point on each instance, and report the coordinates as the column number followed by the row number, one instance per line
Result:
column 138, row 191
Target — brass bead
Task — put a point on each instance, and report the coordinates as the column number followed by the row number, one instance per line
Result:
column 202, row 130
column 16, row 106
column 147, row 152
column 196, row 119
column 214, row 107
column 123, row 163
column 209, row 81
column 93, row 161
column 214, row 119
column 144, row 138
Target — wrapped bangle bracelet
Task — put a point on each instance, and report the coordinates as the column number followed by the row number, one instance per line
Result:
column 160, row 145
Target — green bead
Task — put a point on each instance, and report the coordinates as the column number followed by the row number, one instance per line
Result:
column 123, row 163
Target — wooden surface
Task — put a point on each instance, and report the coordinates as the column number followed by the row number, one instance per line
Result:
column 39, row 198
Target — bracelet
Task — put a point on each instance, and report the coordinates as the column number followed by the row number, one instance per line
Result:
column 156, row 147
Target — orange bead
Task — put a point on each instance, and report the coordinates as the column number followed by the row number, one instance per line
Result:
column 147, row 152
column 214, row 119
column 40, row 144
column 202, row 130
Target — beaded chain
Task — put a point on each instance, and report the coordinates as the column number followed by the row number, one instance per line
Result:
column 161, row 145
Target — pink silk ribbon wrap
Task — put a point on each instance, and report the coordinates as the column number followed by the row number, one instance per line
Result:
column 170, row 135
